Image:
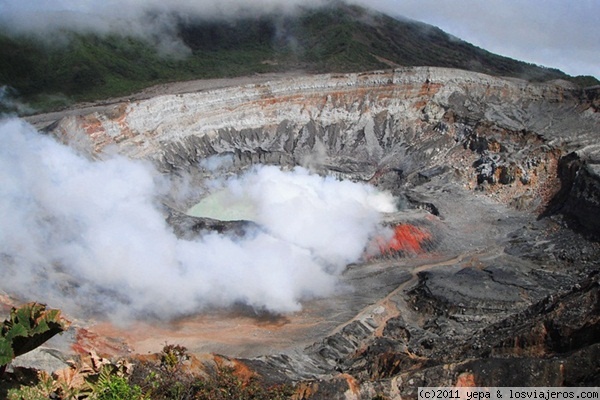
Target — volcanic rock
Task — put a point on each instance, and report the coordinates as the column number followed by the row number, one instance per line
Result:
column 503, row 173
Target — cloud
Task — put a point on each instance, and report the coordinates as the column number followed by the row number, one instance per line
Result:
column 89, row 236
column 553, row 33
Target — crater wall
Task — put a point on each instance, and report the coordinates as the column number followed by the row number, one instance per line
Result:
column 504, row 136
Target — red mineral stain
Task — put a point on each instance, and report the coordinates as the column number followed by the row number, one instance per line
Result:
column 87, row 341
column 407, row 238
column 466, row 379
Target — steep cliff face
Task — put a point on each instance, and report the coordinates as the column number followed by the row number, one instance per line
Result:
column 474, row 161
column 578, row 198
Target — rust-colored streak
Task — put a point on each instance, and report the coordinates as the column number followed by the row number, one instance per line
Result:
column 92, row 125
column 239, row 369
column 86, row 341
column 353, row 384
column 466, row 379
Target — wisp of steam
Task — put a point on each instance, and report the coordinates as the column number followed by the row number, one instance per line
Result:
column 155, row 21
column 87, row 235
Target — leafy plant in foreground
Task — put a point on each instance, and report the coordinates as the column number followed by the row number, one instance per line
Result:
column 28, row 327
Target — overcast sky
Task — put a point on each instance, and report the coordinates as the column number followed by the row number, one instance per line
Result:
column 563, row 34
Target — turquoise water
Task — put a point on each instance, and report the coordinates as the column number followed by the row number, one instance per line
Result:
column 224, row 206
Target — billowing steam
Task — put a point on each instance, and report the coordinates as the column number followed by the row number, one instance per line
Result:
column 88, row 235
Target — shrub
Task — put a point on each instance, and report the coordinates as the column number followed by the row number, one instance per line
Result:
column 173, row 355
column 43, row 390
column 170, row 381
column 110, row 386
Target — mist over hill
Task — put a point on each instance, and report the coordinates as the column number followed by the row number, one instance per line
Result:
column 53, row 70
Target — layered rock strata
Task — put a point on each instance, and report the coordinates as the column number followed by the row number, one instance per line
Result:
column 505, row 133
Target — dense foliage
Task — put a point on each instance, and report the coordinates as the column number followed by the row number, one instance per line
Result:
column 171, row 378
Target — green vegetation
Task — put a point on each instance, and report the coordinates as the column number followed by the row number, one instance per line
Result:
column 333, row 38
column 174, row 377
column 28, row 327
column 111, row 386
column 95, row 378
column 172, row 356
column 584, row 81
column 43, row 390
column 89, row 68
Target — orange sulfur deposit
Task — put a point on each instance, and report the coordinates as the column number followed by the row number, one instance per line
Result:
column 407, row 238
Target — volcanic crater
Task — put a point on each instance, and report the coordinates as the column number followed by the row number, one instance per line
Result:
column 495, row 233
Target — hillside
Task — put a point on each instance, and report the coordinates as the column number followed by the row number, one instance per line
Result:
column 337, row 38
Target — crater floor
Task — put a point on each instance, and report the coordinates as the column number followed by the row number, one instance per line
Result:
column 498, row 172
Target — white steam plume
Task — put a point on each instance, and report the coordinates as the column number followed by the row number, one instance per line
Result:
column 81, row 235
